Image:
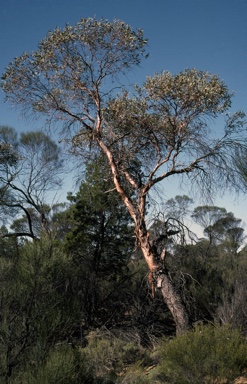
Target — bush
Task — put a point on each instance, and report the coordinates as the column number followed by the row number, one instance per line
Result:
column 204, row 355
column 63, row 365
column 111, row 357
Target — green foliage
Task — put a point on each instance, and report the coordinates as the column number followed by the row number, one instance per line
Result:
column 203, row 355
column 62, row 365
column 100, row 220
column 110, row 356
column 37, row 309
column 101, row 244
column 234, row 298
column 212, row 281
column 198, row 273
column 195, row 93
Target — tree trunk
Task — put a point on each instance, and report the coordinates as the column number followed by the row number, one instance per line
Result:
column 174, row 303
column 162, row 282
column 153, row 260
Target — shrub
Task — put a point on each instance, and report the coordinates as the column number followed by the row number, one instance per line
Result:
column 204, row 355
column 63, row 365
column 110, row 356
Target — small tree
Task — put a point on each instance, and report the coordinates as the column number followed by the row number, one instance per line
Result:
column 101, row 245
column 220, row 225
column 38, row 308
column 24, row 183
column 162, row 130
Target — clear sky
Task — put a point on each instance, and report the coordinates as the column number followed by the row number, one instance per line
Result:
column 204, row 34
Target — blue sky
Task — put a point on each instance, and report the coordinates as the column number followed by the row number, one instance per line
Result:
column 204, row 34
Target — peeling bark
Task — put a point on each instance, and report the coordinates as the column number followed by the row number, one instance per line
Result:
column 162, row 281
column 174, row 303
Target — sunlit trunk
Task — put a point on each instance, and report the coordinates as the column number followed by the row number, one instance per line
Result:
column 162, row 282
column 158, row 275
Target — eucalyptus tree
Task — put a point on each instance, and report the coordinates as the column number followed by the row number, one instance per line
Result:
column 26, row 182
column 158, row 131
column 219, row 225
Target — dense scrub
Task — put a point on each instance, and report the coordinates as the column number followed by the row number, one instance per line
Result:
column 76, row 305
column 47, row 335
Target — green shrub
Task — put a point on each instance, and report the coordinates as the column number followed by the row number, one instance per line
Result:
column 110, row 356
column 63, row 365
column 203, row 355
